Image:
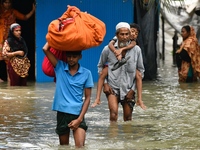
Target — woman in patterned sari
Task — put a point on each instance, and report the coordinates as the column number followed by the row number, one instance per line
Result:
column 8, row 16
column 188, row 56
column 15, row 46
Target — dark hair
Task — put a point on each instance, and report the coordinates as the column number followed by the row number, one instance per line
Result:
column 136, row 26
column 2, row 1
column 187, row 28
column 73, row 52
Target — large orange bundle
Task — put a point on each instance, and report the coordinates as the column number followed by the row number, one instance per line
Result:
column 75, row 30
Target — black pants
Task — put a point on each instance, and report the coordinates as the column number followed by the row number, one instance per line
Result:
column 183, row 55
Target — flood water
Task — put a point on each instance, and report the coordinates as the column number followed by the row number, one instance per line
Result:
column 171, row 120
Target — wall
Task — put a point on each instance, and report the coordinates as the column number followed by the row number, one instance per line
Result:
column 109, row 11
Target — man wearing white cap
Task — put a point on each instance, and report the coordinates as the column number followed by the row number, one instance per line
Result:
column 120, row 84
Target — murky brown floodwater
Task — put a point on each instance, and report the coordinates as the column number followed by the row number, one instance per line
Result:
column 171, row 121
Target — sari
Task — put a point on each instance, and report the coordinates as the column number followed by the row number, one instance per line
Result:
column 190, row 71
column 18, row 66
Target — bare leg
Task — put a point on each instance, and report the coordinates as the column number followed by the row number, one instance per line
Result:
column 100, row 86
column 139, row 90
column 113, row 107
column 79, row 137
column 127, row 111
column 8, row 78
column 64, row 139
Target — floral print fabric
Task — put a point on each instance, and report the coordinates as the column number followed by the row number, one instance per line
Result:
column 192, row 47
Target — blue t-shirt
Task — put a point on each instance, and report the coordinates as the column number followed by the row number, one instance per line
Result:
column 68, row 97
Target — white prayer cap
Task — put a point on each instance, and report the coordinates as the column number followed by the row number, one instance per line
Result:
column 122, row 25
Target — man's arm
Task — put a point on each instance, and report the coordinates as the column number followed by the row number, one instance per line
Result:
column 49, row 54
column 111, row 46
column 7, row 53
column 181, row 48
column 102, row 59
column 86, row 103
column 140, row 65
column 131, row 45
column 74, row 124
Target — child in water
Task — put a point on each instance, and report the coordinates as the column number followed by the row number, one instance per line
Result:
column 134, row 29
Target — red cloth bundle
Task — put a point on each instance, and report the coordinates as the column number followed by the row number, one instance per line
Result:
column 47, row 67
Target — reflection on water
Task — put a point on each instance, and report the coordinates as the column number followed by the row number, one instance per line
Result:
column 171, row 120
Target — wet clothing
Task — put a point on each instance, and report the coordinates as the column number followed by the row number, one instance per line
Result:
column 131, row 103
column 122, row 79
column 13, row 44
column 69, row 92
column 189, row 69
column 15, row 79
column 63, row 119
column 182, row 56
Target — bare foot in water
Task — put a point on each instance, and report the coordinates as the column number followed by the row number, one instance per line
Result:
column 1, row 80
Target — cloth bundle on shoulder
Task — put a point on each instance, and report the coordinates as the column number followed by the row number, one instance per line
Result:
column 47, row 67
column 75, row 30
